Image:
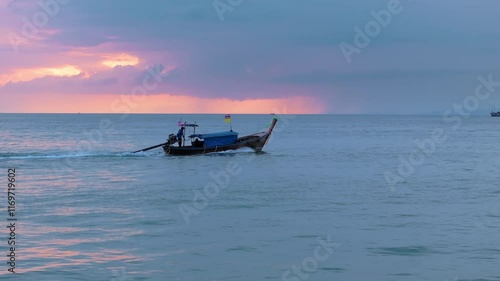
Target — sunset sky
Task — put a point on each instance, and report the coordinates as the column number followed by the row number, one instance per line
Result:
column 244, row 56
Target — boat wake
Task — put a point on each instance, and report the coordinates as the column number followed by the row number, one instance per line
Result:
column 241, row 151
column 22, row 156
column 152, row 153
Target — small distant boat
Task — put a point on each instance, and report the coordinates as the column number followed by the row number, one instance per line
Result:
column 216, row 142
column 213, row 142
column 494, row 113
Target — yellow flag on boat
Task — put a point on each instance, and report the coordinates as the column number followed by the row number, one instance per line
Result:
column 227, row 118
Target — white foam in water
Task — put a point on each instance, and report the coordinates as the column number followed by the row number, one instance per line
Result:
column 74, row 155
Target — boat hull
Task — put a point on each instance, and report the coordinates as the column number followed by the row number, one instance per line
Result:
column 255, row 142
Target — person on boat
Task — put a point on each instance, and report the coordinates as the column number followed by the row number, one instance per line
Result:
column 180, row 136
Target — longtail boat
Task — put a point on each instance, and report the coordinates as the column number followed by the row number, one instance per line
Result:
column 216, row 142
column 213, row 142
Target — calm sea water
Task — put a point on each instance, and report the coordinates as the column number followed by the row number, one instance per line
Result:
column 315, row 206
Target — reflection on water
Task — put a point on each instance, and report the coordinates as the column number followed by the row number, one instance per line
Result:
column 72, row 220
column 45, row 258
column 47, row 247
column 71, row 211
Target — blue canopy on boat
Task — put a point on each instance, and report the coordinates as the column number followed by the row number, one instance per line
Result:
column 217, row 139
